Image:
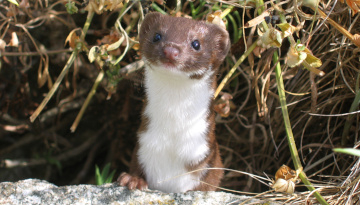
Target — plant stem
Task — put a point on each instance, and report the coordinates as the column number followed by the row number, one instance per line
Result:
column 231, row 72
column 54, row 87
column 65, row 69
column 338, row 27
column 293, row 150
column 350, row 118
column 87, row 101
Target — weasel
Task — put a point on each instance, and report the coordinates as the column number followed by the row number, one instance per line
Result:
column 176, row 135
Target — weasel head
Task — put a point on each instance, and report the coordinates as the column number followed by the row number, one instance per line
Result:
column 182, row 46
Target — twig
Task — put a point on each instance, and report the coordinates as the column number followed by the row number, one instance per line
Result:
column 65, row 69
column 35, row 53
column 231, row 72
column 338, row 27
column 61, row 157
column 87, row 101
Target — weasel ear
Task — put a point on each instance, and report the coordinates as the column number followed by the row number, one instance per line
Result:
column 148, row 21
column 222, row 42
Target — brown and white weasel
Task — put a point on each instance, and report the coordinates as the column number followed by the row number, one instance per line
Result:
column 177, row 136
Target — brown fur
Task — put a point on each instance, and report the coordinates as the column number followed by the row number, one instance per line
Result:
column 215, row 45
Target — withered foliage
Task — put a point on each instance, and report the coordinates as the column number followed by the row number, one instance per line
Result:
column 250, row 126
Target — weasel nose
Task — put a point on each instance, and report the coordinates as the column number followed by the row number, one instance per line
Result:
column 171, row 53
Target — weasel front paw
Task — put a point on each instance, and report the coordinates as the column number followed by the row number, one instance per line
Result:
column 132, row 182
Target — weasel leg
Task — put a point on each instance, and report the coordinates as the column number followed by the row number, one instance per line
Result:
column 132, row 182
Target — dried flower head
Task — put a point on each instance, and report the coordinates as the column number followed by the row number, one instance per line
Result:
column 271, row 38
column 285, row 180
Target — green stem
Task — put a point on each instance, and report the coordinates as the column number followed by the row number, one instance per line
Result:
column 282, row 98
column 158, row 9
column 350, row 118
column 293, row 150
column 235, row 28
column 86, row 25
column 226, row 11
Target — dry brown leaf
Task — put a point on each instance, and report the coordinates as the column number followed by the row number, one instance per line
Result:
column 285, row 172
column 72, row 38
column 258, row 50
column 12, row 12
column 215, row 18
column 282, row 185
column 136, row 46
column 109, row 39
column 43, row 73
column 2, row 45
column 356, row 40
column 353, row 4
column 255, row 21
column 271, row 38
column 285, row 179
column 99, row 6
column 14, row 40
column 223, row 105
column 24, row 4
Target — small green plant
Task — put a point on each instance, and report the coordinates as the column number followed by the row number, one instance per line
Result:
column 104, row 176
column 71, row 8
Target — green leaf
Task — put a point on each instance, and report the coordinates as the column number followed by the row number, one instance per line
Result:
column 71, row 7
column 54, row 161
column 300, row 47
column 110, row 178
column 313, row 61
column 279, row 38
column 286, row 29
column 105, row 172
column 104, row 176
column 98, row 178
column 350, row 151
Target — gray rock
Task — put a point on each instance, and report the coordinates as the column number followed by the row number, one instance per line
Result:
column 34, row 191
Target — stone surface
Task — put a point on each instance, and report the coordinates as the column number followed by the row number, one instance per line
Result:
column 34, row 191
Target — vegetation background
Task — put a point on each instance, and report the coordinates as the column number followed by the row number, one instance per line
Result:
column 71, row 92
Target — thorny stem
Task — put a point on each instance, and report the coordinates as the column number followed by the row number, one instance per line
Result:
column 65, row 69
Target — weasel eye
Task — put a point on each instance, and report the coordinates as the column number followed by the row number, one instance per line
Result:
column 157, row 38
column 195, row 44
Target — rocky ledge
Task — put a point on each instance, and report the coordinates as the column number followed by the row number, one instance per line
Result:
column 34, row 191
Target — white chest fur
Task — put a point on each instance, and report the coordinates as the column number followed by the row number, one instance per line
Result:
column 176, row 133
